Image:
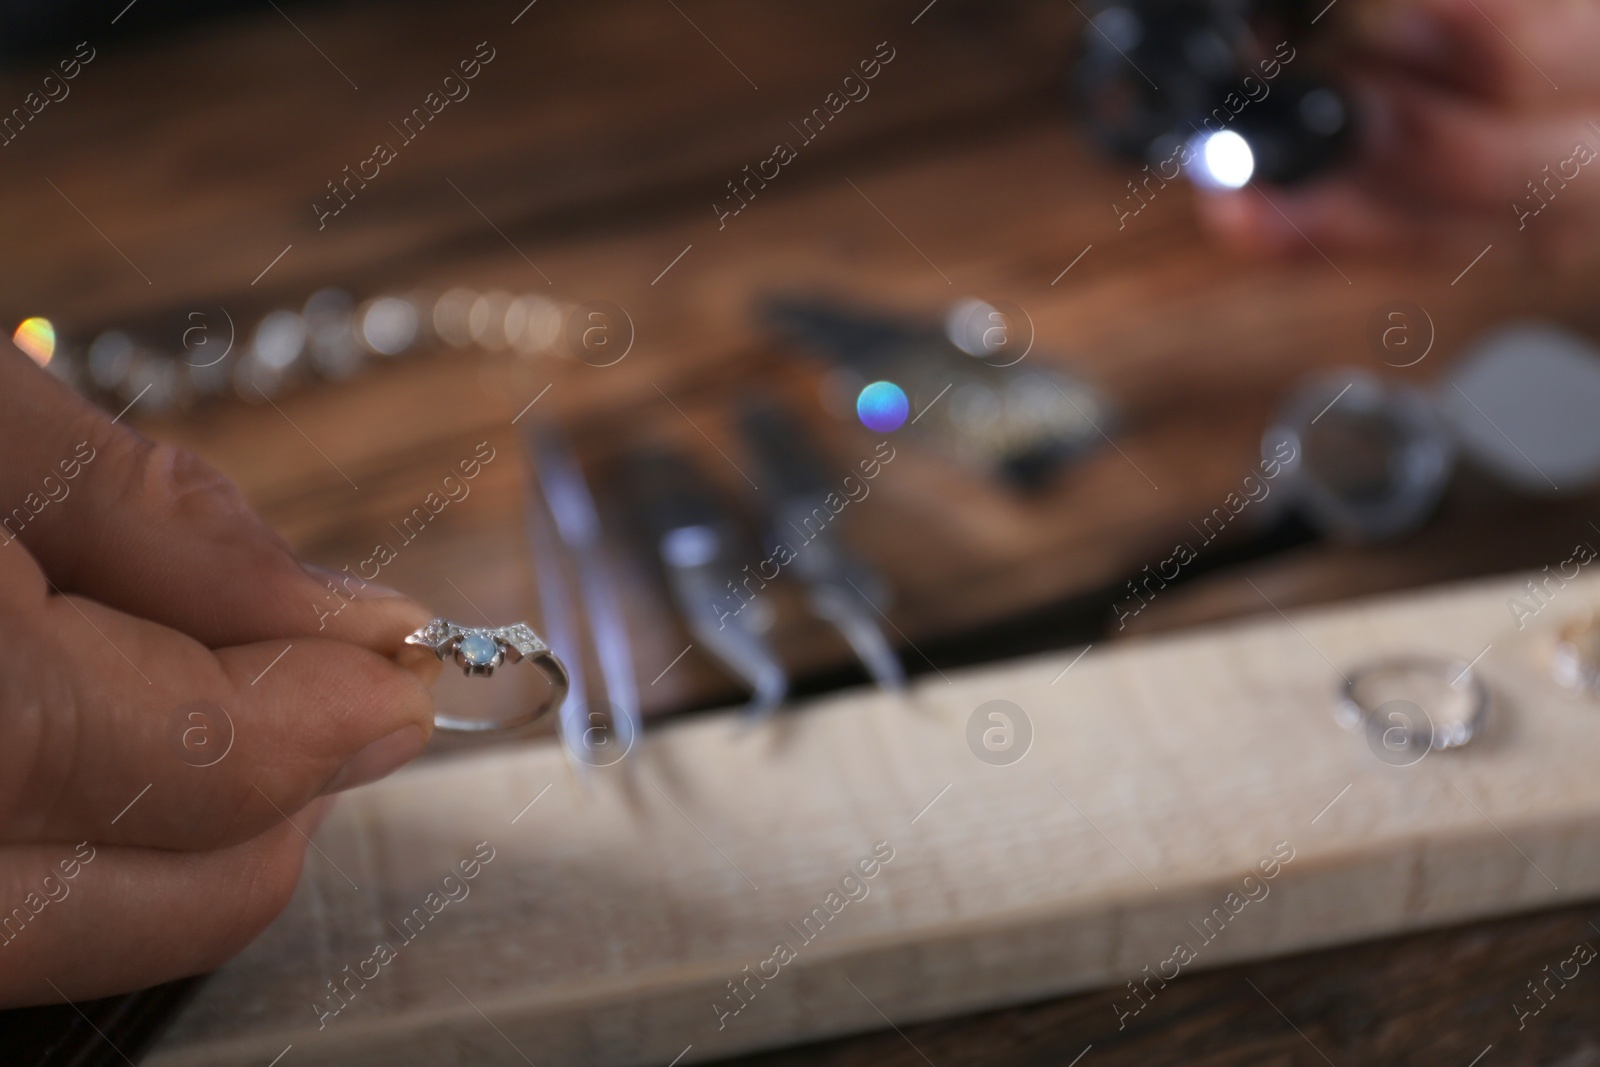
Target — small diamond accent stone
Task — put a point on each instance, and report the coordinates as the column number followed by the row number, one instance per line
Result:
column 521, row 637
column 432, row 634
column 478, row 650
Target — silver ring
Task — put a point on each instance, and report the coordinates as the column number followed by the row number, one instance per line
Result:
column 478, row 650
column 1574, row 662
column 1355, row 711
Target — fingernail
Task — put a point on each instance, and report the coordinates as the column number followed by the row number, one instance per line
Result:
column 348, row 585
column 379, row 760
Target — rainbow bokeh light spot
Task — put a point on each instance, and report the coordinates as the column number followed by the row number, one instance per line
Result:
column 36, row 337
column 882, row 407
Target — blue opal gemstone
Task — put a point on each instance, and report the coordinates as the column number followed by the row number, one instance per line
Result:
column 478, row 650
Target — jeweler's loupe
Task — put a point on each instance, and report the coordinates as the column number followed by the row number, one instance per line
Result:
column 1369, row 458
column 1523, row 404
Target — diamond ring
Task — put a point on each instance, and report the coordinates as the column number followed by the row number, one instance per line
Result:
column 1377, row 699
column 478, row 650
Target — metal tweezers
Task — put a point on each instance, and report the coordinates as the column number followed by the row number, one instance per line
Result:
column 713, row 573
column 596, row 730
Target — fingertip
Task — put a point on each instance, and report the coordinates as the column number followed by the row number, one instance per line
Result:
column 260, row 876
column 374, row 616
column 420, row 662
column 379, row 759
column 394, row 696
column 362, row 612
column 311, row 817
column 328, row 717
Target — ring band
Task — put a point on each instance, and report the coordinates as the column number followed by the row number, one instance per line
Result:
column 478, row 650
column 1355, row 711
column 1575, row 663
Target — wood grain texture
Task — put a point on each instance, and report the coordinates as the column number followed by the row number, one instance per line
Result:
column 597, row 141
column 1439, row 999
column 1160, row 773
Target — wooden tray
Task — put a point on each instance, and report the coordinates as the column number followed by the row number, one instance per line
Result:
column 1166, row 780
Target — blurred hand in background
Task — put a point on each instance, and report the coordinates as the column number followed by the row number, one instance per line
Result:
column 1472, row 116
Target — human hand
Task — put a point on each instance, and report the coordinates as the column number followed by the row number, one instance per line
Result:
column 1479, row 123
column 141, row 601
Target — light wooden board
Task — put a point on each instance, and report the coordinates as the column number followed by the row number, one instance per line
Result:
column 616, row 910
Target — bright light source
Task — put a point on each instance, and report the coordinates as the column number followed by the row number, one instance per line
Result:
column 36, row 337
column 1224, row 161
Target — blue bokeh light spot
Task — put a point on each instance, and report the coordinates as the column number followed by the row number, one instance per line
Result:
column 882, row 407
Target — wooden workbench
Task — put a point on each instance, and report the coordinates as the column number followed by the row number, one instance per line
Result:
column 596, row 142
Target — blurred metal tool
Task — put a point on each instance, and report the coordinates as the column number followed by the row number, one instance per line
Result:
column 1520, row 403
column 1362, row 459
column 596, row 731
column 705, row 560
column 959, row 385
column 842, row 589
column 1370, row 458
